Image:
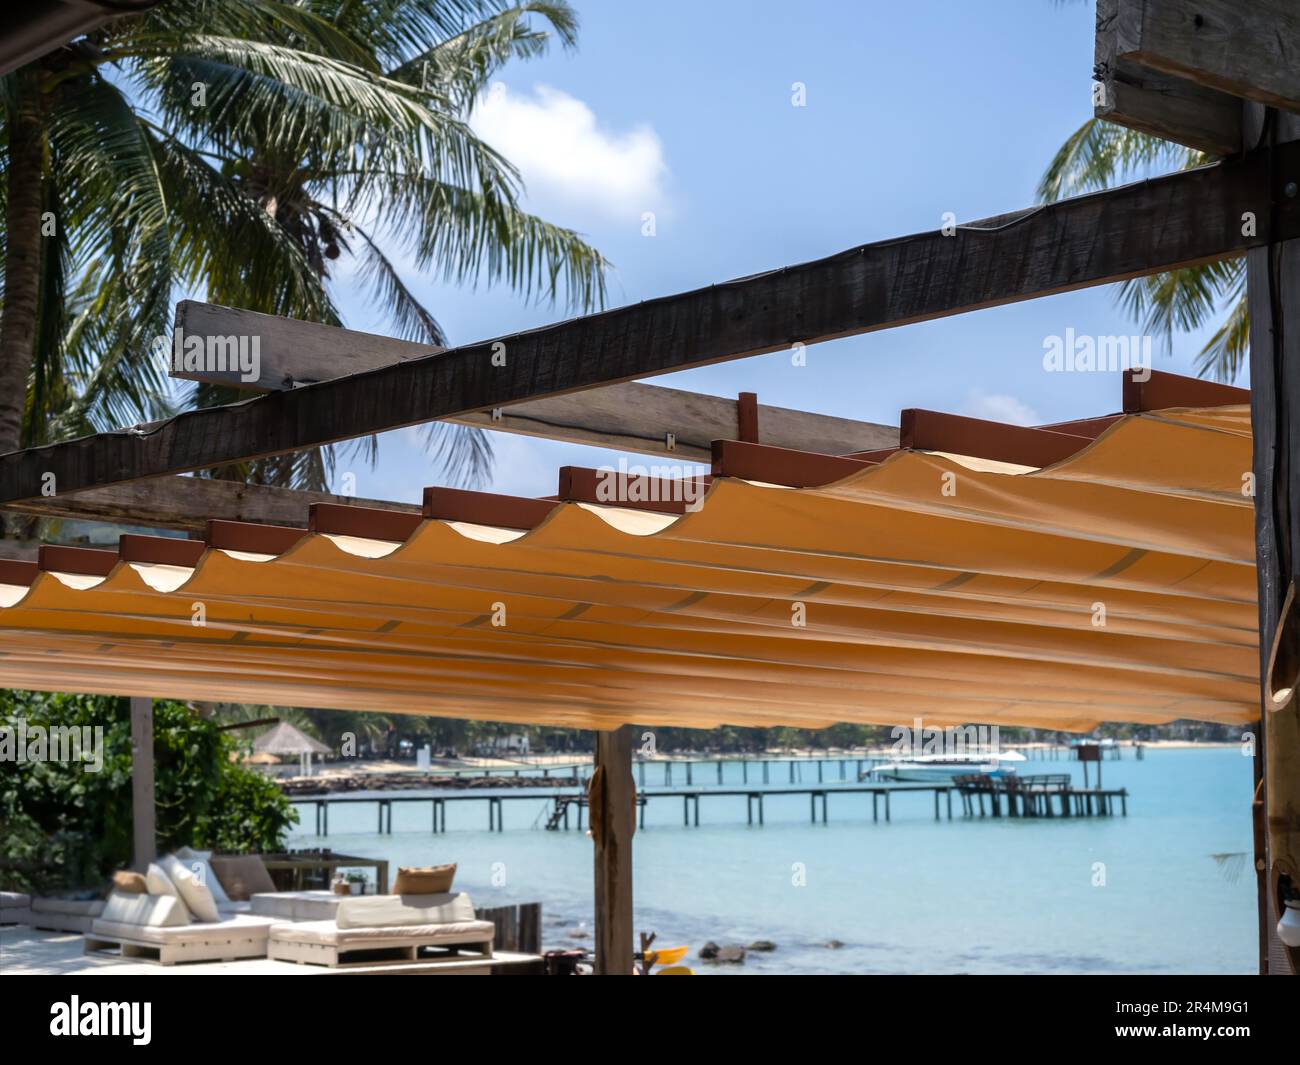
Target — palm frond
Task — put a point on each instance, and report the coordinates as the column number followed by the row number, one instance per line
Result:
column 1100, row 154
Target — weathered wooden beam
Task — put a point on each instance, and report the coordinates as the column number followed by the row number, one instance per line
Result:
column 612, row 806
column 1247, row 50
column 284, row 352
column 19, row 550
column 1274, row 305
column 636, row 417
column 185, row 503
column 1154, row 102
column 1181, row 219
column 654, row 420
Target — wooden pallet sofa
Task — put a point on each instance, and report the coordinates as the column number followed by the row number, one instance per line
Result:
column 158, row 928
column 54, row 914
column 374, row 929
column 15, row 908
column 177, row 912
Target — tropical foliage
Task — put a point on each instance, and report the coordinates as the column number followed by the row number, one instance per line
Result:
column 64, row 827
column 1100, row 154
column 250, row 149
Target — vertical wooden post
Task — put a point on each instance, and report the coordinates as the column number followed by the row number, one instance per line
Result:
column 142, row 792
column 613, row 821
column 747, row 417
column 1273, row 291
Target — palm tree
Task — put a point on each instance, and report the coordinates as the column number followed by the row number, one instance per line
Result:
column 1100, row 154
column 245, row 147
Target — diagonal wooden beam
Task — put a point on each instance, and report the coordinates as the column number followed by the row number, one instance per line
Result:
column 1182, row 219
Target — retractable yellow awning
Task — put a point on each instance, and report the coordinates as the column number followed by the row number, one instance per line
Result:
column 1115, row 585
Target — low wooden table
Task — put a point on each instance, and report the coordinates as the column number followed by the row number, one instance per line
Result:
column 299, row 870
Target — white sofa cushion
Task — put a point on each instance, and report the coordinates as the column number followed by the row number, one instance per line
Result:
column 157, row 882
column 398, row 911
column 197, row 863
column 297, row 905
column 329, row 934
column 196, row 894
column 240, row 926
column 159, row 911
column 14, row 900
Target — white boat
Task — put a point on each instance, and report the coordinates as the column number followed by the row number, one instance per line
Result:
column 935, row 768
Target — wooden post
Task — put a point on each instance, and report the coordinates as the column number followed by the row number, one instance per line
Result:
column 613, row 821
column 1273, row 273
column 142, row 790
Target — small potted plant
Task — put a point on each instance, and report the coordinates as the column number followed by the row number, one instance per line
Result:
column 356, row 883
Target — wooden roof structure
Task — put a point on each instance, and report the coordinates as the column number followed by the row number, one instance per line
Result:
column 1217, row 75
column 985, row 572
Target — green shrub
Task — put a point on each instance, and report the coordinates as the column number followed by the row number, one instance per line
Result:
column 64, row 828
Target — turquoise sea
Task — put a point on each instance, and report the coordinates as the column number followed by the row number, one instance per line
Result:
column 912, row 895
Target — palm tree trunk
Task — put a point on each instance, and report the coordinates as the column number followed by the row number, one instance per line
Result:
column 23, row 256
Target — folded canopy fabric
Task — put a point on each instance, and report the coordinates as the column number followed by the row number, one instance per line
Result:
column 1116, row 585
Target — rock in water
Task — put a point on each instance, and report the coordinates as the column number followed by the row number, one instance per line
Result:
column 762, row 946
column 709, row 951
column 832, row 944
column 734, row 954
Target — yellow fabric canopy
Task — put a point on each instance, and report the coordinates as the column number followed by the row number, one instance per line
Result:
column 1118, row 585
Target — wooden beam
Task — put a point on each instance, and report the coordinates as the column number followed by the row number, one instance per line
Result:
column 185, row 503
column 1157, row 390
column 1153, row 102
column 612, row 806
column 143, row 814
column 777, row 465
column 631, row 417
column 289, row 353
column 747, row 417
column 1274, row 305
column 486, row 508
column 636, row 491
column 927, row 430
column 1248, row 50
column 644, row 419
column 1177, row 220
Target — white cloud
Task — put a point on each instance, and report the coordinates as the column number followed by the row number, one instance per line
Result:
column 564, row 154
column 1000, row 408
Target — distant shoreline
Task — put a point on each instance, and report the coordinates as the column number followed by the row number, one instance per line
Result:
column 386, row 773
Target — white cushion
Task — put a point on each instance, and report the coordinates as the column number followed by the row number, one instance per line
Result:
column 14, row 900
column 395, row 911
column 196, row 895
column 239, row 927
column 199, row 865
column 185, row 853
column 297, row 905
column 158, row 911
column 327, row 933
column 157, row 882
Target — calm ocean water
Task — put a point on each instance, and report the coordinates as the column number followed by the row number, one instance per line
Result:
column 913, row 895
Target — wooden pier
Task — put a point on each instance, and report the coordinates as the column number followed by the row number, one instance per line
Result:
column 1050, row 795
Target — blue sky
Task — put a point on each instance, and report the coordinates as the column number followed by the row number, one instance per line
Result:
column 684, row 109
